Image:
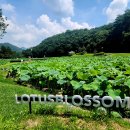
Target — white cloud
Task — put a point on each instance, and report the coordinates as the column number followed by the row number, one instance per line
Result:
column 29, row 35
column 63, row 7
column 116, row 8
column 54, row 27
column 8, row 7
column 51, row 27
column 22, row 35
column 9, row 10
column 69, row 24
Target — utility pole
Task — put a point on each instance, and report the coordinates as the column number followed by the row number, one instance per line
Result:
column 3, row 24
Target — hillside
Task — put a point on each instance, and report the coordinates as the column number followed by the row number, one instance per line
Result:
column 114, row 37
column 13, row 47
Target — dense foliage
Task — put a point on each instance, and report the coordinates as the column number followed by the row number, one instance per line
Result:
column 12, row 47
column 7, row 53
column 114, row 37
column 78, row 75
column 51, row 116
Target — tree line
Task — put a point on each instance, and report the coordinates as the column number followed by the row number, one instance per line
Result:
column 114, row 37
column 6, row 53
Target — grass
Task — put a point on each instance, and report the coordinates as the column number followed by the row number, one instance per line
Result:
column 108, row 54
column 46, row 116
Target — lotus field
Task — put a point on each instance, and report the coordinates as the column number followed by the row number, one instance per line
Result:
column 109, row 75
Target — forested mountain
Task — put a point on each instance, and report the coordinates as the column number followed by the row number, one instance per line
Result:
column 114, row 37
column 12, row 47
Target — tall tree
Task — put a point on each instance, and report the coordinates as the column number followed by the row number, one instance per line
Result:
column 3, row 24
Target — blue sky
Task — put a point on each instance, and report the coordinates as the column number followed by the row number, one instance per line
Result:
column 31, row 21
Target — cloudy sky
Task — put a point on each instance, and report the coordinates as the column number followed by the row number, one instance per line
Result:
column 31, row 21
